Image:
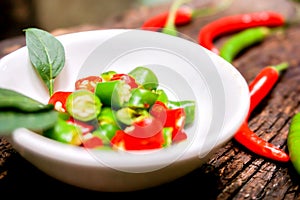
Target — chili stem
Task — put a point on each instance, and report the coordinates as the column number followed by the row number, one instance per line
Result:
column 281, row 67
column 211, row 10
column 170, row 27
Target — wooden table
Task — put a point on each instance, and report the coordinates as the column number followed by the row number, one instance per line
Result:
column 233, row 172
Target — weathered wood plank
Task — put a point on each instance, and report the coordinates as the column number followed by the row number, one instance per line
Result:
column 233, row 172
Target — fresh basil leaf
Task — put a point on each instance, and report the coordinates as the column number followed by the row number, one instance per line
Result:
column 38, row 121
column 46, row 54
column 12, row 100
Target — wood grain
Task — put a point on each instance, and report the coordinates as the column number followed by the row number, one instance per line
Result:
column 233, row 172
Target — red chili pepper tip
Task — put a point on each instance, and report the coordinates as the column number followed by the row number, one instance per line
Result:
column 250, row 140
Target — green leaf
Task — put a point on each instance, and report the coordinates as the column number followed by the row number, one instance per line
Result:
column 12, row 100
column 18, row 110
column 9, row 121
column 46, row 54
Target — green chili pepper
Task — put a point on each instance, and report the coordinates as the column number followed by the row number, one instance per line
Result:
column 83, row 105
column 242, row 40
column 144, row 77
column 189, row 107
column 64, row 132
column 293, row 142
column 113, row 93
column 142, row 98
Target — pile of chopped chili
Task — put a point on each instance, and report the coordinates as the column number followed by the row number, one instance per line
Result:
column 120, row 111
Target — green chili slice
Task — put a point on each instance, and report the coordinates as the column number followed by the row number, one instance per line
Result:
column 113, row 93
column 64, row 132
column 128, row 115
column 83, row 105
column 106, row 132
column 162, row 96
column 145, row 77
column 107, row 116
column 142, row 98
column 167, row 134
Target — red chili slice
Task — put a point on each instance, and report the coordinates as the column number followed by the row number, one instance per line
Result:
column 58, row 99
column 180, row 136
column 126, row 78
column 88, row 83
column 145, row 134
column 92, row 142
column 175, row 119
column 159, row 111
column 85, row 128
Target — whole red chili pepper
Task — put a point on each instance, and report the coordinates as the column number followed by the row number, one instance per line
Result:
column 259, row 88
column 233, row 23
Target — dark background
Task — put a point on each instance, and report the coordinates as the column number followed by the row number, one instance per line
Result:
column 15, row 15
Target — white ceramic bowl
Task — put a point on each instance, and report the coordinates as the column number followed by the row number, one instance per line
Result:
column 185, row 69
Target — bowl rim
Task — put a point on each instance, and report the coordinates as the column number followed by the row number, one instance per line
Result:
column 53, row 149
